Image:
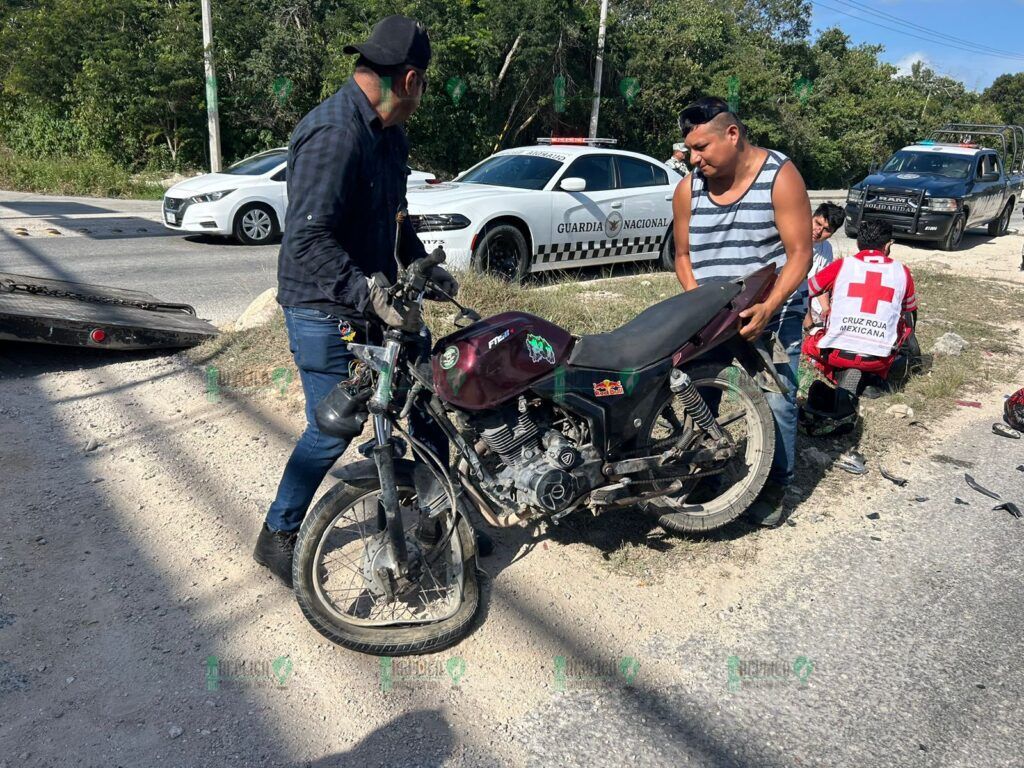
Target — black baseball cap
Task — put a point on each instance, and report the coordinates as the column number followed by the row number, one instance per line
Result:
column 395, row 40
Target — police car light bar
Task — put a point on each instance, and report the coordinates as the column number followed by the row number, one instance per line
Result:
column 578, row 140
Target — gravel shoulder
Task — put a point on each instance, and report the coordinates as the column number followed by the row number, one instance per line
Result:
column 127, row 566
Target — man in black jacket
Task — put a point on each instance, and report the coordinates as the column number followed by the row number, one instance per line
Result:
column 347, row 171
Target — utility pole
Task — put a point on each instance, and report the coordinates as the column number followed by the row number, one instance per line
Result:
column 212, row 118
column 598, row 66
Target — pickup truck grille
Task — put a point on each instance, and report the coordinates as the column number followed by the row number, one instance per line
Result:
column 901, row 205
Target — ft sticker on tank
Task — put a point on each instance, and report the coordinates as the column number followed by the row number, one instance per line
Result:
column 449, row 358
column 540, row 349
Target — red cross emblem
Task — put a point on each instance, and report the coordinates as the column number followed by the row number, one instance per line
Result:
column 871, row 292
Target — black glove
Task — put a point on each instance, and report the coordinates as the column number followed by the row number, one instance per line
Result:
column 441, row 278
column 380, row 302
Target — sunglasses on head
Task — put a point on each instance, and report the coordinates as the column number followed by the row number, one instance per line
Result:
column 700, row 113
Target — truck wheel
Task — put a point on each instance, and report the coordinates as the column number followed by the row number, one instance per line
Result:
column 955, row 235
column 999, row 226
column 850, row 231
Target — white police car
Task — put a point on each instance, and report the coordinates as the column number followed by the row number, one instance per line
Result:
column 248, row 200
column 563, row 203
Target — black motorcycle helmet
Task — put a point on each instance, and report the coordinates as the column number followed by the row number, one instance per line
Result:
column 822, row 415
column 342, row 413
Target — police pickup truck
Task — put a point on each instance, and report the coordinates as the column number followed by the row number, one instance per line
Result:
column 938, row 188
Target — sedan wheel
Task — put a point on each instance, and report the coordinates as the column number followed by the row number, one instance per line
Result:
column 255, row 225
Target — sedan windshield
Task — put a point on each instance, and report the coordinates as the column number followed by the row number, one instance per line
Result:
column 257, row 165
column 519, row 171
column 950, row 166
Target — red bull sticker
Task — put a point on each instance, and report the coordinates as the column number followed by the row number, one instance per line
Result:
column 607, row 388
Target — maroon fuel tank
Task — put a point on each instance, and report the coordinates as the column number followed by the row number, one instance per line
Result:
column 496, row 359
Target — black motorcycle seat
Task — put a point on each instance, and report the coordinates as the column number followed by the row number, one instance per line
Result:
column 656, row 332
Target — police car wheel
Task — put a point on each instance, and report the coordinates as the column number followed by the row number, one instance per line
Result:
column 668, row 253
column 255, row 224
column 502, row 252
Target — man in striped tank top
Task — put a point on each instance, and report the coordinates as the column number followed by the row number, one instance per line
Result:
column 742, row 208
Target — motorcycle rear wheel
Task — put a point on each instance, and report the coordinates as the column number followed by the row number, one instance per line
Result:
column 747, row 418
column 310, row 578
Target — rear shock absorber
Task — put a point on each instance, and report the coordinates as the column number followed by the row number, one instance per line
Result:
column 694, row 405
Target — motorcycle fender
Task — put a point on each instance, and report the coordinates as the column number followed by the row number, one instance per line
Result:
column 363, row 474
column 359, row 474
column 760, row 359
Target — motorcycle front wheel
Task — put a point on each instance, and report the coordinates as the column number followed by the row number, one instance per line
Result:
column 343, row 589
column 744, row 415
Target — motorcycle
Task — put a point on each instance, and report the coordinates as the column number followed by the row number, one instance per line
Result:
column 666, row 414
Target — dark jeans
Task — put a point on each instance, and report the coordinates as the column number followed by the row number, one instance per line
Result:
column 785, row 412
column 323, row 359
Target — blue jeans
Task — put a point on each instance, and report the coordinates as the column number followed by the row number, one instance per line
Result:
column 789, row 327
column 322, row 358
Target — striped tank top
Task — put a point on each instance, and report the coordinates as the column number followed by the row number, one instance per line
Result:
column 731, row 241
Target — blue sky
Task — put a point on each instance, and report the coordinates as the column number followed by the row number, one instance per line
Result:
column 992, row 23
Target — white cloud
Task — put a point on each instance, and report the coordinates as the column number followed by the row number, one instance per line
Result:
column 904, row 65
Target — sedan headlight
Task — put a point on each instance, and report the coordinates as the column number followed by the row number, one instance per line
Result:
column 438, row 222
column 854, row 195
column 942, row 204
column 210, row 197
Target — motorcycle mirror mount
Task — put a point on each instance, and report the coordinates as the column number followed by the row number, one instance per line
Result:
column 465, row 317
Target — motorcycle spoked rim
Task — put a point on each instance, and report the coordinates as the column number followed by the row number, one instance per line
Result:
column 737, row 490
column 454, row 544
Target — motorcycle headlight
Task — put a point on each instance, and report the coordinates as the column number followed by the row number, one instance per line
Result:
column 942, row 204
column 210, row 197
column 438, row 222
column 854, row 196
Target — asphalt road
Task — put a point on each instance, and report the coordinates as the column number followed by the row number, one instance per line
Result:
column 122, row 243
column 900, row 644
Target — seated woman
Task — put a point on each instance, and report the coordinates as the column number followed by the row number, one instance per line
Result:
column 869, row 294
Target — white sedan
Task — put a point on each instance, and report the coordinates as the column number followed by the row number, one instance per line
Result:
column 562, row 203
column 248, row 200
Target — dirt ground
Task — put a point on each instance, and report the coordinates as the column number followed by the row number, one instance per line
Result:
column 134, row 495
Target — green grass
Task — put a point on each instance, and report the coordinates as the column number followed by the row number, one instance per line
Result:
column 85, row 176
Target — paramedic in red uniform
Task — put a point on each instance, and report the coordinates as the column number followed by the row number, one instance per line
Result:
column 869, row 292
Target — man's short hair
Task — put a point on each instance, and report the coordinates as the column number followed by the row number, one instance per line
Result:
column 833, row 215
column 394, row 71
column 873, row 234
column 709, row 109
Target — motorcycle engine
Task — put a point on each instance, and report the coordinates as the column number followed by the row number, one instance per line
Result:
column 536, row 466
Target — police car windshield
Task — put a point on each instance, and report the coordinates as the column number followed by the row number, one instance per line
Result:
column 935, row 163
column 258, row 164
column 519, row 171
